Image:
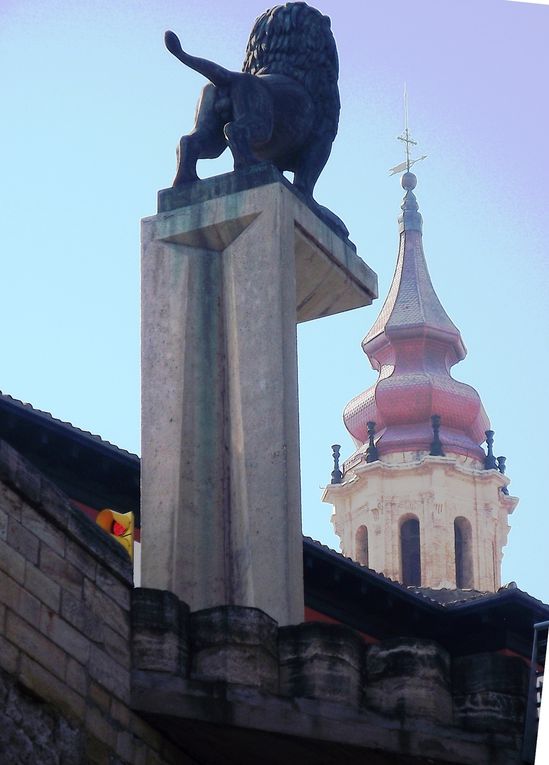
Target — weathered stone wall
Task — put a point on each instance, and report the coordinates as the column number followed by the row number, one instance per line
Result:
column 233, row 666
column 33, row 731
column 85, row 660
column 64, row 634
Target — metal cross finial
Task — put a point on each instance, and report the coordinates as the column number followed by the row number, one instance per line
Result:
column 405, row 137
column 407, row 141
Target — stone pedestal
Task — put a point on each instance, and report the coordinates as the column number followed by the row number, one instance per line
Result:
column 228, row 267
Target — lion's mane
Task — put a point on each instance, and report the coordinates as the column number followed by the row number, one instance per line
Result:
column 296, row 40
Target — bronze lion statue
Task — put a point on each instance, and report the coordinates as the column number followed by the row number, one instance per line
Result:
column 282, row 108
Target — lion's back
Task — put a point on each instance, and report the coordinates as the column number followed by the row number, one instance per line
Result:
column 296, row 40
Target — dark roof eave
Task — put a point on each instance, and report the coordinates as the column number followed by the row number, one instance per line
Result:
column 65, row 429
column 492, row 600
column 482, row 602
column 356, row 569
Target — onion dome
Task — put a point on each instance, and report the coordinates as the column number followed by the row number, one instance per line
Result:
column 413, row 344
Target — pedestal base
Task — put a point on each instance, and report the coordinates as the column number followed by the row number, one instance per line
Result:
column 225, row 279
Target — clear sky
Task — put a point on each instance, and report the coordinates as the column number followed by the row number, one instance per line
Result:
column 93, row 106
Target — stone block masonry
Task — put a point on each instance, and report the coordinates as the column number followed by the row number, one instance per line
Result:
column 315, row 692
column 94, row 672
column 64, row 634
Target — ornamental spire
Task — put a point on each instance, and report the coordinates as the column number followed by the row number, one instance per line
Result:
column 412, row 302
column 413, row 344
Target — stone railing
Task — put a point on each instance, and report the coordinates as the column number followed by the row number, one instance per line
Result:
column 233, row 666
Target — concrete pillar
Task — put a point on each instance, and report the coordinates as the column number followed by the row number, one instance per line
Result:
column 229, row 266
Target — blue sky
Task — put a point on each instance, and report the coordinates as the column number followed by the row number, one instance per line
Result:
column 93, row 108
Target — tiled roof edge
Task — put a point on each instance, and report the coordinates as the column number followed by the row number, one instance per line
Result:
column 69, row 427
column 381, row 578
column 503, row 594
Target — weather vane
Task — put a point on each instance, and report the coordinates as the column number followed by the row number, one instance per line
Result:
column 407, row 141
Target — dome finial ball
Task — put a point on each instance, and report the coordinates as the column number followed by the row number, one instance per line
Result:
column 408, row 181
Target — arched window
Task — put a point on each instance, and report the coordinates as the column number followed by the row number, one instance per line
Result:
column 361, row 546
column 463, row 538
column 410, row 552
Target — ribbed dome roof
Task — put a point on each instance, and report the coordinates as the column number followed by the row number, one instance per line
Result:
column 413, row 344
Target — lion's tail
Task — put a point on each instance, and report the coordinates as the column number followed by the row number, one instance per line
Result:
column 212, row 71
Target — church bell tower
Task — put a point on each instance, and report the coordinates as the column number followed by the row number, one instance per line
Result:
column 419, row 500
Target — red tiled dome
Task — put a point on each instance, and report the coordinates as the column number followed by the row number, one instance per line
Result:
column 413, row 344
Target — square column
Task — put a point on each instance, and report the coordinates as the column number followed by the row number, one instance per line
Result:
column 229, row 266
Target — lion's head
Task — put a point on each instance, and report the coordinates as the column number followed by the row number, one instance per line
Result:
column 297, row 41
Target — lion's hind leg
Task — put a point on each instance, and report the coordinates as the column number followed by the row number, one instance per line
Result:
column 197, row 145
column 205, row 141
column 241, row 135
column 251, row 128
